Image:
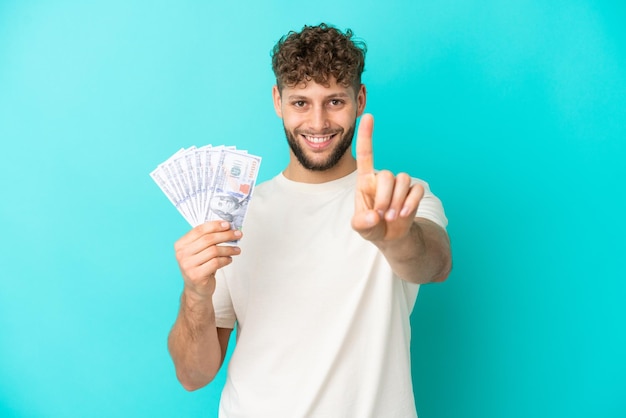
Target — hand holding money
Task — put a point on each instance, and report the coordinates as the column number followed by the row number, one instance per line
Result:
column 385, row 205
column 199, row 255
column 209, row 183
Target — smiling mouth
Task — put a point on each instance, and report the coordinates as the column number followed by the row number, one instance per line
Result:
column 319, row 142
column 315, row 139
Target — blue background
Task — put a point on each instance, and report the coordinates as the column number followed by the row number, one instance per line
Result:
column 513, row 111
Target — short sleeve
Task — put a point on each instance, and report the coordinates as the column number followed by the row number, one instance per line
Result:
column 430, row 206
column 222, row 302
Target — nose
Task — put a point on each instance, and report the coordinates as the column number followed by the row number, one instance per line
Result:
column 319, row 119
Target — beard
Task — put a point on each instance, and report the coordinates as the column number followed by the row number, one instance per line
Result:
column 345, row 141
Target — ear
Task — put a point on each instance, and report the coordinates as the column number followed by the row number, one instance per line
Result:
column 361, row 98
column 277, row 101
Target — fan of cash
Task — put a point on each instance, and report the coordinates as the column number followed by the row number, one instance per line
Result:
column 209, row 183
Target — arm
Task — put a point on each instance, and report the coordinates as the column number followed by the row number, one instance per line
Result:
column 196, row 345
column 422, row 256
column 417, row 249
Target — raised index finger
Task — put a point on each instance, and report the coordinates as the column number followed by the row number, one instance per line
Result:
column 364, row 153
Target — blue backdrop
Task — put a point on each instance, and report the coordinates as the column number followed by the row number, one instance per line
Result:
column 513, row 111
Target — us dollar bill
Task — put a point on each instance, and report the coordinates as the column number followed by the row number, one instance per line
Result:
column 232, row 188
column 209, row 183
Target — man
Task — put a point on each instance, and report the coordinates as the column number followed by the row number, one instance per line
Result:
column 325, row 278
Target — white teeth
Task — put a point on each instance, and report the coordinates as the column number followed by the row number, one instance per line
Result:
column 318, row 139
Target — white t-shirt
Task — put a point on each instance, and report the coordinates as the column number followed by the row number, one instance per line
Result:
column 323, row 323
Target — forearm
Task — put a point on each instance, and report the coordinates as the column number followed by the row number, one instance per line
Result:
column 194, row 344
column 421, row 256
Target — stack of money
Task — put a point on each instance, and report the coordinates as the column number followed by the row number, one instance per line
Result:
column 209, row 183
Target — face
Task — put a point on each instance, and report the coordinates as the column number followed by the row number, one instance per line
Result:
column 319, row 122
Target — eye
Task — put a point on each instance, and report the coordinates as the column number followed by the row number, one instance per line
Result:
column 336, row 102
column 299, row 103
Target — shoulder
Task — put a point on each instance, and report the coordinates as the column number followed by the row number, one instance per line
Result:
column 430, row 206
column 264, row 187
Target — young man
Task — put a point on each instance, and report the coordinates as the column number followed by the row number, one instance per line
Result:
column 326, row 276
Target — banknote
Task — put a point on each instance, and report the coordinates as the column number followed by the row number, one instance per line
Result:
column 232, row 187
column 165, row 177
column 209, row 183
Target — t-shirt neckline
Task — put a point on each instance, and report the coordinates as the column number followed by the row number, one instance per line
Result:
column 329, row 186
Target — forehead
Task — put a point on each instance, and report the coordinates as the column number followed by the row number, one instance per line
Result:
column 311, row 89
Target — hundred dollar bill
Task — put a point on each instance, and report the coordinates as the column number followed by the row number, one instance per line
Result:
column 205, row 176
column 191, row 168
column 213, row 161
column 232, row 187
column 183, row 178
column 209, row 183
column 166, row 179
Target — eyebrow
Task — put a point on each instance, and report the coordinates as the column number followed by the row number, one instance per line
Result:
column 330, row 96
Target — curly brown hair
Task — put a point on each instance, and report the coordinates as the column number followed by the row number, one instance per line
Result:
column 318, row 53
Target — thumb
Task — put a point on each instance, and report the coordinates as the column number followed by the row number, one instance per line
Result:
column 367, row 223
